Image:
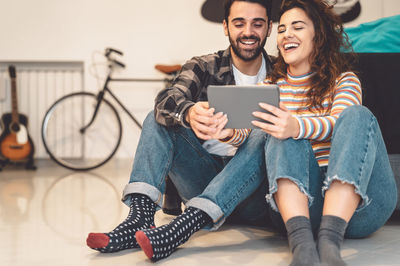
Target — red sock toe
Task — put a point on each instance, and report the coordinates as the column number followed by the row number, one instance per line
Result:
column 97, row 240
column 144, row 243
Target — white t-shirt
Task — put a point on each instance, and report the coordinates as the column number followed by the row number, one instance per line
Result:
column 214, row 146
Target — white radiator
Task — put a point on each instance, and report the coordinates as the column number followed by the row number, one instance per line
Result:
column 39, row 85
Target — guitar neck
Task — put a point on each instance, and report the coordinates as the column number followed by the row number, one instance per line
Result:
column 14, row 101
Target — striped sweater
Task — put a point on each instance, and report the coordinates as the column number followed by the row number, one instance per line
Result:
column 316, row 126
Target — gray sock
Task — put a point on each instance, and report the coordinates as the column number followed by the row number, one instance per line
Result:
column 301, row 242
column 330, row 239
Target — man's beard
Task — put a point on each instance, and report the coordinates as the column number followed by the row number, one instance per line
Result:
column 244, row 54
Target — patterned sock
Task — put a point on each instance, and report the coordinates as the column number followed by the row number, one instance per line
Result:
column 330, row 239
column 301, row 241
column 160, row 242
column 141, row 216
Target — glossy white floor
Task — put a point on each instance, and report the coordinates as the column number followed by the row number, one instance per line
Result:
column 46, row 214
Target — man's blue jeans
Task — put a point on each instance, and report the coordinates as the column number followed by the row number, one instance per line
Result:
column 358, row 156
column 216, row 185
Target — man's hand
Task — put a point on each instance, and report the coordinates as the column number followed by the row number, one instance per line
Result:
column 205, row 124
column 283, row 124
column 221, row 133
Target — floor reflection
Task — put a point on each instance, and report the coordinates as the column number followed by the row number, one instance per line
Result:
column 16, row 195
column 80, row 202
column 15, row 198
column 45, row 216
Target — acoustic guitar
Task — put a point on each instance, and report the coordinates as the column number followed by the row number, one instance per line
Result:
column 15, row 142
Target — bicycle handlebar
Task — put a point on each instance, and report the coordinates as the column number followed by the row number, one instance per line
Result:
column 117, row 62
column 111, row 50
column 107, row 54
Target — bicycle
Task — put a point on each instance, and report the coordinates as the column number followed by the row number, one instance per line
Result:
column 83, row 130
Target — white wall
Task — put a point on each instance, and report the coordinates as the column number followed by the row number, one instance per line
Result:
column 149, row 32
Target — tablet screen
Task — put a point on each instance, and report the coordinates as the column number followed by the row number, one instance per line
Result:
column 239, row 102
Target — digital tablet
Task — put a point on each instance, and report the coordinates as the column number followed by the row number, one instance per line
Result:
column 239, row 102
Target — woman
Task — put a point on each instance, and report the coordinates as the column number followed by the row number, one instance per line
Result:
column 326, row 161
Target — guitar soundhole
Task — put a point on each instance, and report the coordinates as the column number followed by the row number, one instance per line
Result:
column 14, row 127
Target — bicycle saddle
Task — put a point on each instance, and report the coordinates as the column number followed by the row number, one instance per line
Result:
column 168, row 69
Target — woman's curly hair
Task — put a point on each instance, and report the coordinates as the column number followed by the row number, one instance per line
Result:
column 327, row 59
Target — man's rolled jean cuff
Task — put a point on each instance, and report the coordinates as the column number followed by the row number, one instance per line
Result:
column 142, row 188
column 212, row 209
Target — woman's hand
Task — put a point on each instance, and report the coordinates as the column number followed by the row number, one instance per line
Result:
column 283, row 124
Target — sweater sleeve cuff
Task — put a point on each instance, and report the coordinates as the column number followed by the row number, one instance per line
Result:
column 238, row 138
column 301, row 128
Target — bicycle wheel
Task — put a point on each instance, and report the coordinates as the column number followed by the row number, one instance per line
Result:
column 64, row 140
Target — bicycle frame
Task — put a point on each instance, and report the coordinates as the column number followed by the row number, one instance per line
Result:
column 105, row 89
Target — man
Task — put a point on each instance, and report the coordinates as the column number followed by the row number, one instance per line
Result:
column 184, row 139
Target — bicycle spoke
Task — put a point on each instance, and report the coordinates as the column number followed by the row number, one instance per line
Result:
column 73, row 149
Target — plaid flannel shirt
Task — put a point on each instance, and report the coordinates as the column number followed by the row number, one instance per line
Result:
column 190, row 86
